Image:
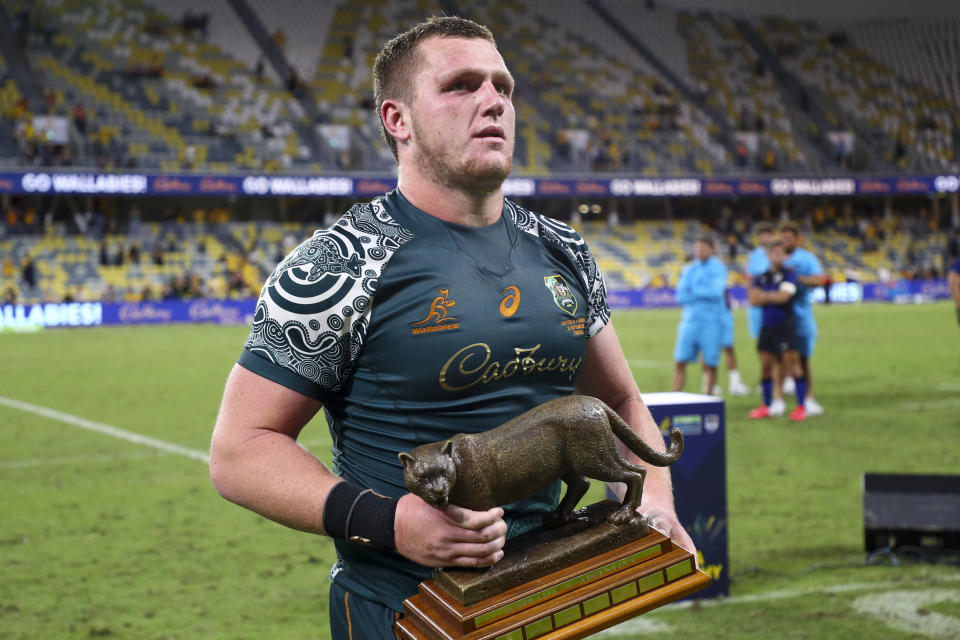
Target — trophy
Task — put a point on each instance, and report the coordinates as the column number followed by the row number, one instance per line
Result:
column 581, row 572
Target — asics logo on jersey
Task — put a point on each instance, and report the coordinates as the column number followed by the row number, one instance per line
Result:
column 438, row 318
column 511, row 301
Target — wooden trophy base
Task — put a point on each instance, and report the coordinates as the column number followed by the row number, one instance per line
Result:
column 569, row 602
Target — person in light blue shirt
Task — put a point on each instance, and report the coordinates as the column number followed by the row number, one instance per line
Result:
column 736, row 386
column 809, row 275
column 701, row 291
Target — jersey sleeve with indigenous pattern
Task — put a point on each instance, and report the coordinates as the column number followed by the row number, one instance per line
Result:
column 565, row 239
column 314, row 310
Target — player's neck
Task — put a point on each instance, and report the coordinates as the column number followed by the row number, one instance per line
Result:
column 451, row 204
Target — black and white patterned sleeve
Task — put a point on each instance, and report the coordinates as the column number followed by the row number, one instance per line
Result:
column 566, row 238
column 314, row 310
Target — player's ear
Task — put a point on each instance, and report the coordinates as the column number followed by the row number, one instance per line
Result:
column 396, row 121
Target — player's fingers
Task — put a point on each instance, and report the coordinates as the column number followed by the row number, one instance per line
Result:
column 494, row 534
column 490, row 533
column 476, row 520
column 478, row 561
column 673, row 529
column 663, row 525
column 476, row 549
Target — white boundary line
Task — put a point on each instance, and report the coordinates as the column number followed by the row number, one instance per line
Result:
column 649, row 624
column 105, row 429
column 929, row 405
column 795, row 593
column 101, row 457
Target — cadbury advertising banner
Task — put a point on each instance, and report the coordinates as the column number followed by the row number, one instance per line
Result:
column 89, row 314
column 240, row 312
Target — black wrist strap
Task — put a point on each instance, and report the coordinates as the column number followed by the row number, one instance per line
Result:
column 360, row 515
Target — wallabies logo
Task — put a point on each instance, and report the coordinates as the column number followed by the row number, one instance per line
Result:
column 562, row 295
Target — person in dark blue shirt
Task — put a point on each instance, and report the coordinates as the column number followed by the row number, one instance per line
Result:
column 775, row 292
column 757, row 263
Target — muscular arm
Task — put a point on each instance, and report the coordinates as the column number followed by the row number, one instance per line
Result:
column 256, row 462
column 606, row 375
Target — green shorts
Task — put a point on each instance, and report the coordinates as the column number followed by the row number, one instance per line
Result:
column 355, row 618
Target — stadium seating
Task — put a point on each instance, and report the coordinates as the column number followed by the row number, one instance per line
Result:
column 228, row 260
column 652, row 253
column 161, row 97
column 9, row 99
column 910, row 124
column 304, row 27
column 187, row 84
column 644, row 253
column 231, row 259
column 743, row 91
column 924, row 52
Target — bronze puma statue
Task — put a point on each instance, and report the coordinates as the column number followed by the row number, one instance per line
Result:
column 570, row 438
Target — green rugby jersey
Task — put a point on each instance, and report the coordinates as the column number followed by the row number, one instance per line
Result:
column 410, row 329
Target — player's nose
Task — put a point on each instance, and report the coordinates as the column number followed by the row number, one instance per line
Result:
column 493, row 100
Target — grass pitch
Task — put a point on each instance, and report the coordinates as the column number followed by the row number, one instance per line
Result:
column 103, row 537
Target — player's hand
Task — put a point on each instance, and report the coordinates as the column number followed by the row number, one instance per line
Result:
column 665, row 521
column 449, row 537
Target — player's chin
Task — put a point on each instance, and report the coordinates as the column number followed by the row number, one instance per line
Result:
column 489, row 169
column 492, row 150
